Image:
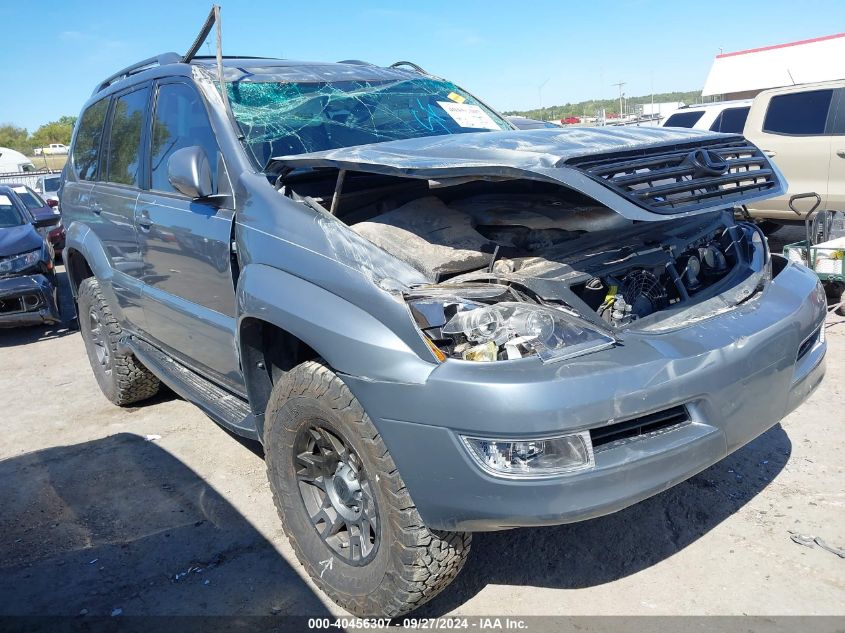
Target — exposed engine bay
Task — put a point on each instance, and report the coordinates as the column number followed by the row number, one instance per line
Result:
column 539, row 271
column 622, row 271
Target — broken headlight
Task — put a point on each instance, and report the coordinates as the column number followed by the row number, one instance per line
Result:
column 468, row 329
column 19, row 263
column 542, row 457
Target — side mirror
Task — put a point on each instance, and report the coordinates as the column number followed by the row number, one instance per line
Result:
column 189, row 172
column 40, row 223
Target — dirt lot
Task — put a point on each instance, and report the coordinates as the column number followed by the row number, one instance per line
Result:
column 97, row 519
column 51, row 161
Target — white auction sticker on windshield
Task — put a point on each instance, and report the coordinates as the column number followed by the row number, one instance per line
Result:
column 4, row 201
column 467, row 115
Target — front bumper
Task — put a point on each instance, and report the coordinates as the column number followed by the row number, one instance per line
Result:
column 28, row 300
column 736, row 374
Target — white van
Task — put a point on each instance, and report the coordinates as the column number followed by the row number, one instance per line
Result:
column 12, row 162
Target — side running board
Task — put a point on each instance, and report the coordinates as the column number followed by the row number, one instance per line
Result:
column 226, row 409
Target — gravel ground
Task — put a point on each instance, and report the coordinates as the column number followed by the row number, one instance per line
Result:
column 156, row 510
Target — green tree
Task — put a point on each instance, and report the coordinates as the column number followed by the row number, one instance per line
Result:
column 53, row 132
column 611, row 106
column 14, row 137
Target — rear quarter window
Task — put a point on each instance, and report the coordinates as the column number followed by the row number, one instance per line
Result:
column 684, row 119
column 798, row 113
column 86, row 147
column 730, row 121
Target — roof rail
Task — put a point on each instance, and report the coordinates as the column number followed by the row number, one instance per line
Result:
column 231, row 57
column 412, row 65
column 355, row 62
column 159, row 60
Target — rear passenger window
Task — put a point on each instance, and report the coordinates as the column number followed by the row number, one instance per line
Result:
column 730, row 121
column 684, row 119
column 86, row 148
column 799, row 113
column 125, row 137
column 180, row 121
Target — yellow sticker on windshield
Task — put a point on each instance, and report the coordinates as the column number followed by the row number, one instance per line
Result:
column 454, row 96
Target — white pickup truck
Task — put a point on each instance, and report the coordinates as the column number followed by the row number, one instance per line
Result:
column 52, row 148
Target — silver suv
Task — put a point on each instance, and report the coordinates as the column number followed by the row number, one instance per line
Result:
column 435, row 324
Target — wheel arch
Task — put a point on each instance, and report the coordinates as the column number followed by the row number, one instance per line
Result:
column 285, row 320
column 85, row 256
column 77, row 268
column 267, row 352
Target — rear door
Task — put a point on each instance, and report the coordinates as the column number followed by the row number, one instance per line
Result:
column 189, row 297
column 115, row 194
column 836, row 181
column 791, row 128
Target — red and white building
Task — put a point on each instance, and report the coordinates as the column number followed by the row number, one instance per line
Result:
column 741, row 75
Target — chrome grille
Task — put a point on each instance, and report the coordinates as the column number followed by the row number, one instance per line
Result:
column 669, row 180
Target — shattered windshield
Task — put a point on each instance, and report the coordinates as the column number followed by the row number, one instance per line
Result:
column 283, row 118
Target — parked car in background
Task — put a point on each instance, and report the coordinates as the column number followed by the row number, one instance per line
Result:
column 434, row 323
column 571, row 120
column 13, row 162
column 524, row 123
column 48, row 188
column 28, row 294
column 47, row 215
column 51, row 149
column 802, row 129
column 724, row 116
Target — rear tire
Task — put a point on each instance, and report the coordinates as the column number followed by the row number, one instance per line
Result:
column 343, row 504
column 122, row 378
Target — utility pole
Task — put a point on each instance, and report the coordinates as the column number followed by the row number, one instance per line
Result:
column 619, row 84
column 540, row 92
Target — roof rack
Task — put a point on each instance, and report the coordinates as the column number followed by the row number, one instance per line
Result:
column 159, row 60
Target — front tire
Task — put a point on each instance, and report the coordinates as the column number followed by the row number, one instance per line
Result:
column 769, row 227
column 122, row 378
column 343, row 504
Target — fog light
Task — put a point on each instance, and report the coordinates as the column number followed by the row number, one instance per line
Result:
column 541, row 457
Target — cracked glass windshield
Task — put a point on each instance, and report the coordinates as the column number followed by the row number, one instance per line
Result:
column 283, row 118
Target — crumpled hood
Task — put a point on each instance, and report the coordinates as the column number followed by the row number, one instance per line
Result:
column 527, row 149
column 533, row 154
column 19, row 239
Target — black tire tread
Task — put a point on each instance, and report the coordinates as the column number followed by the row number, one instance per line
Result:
column 132, row 381
column 429, row 559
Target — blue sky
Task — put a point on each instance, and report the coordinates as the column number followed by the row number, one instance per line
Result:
column 53, row 52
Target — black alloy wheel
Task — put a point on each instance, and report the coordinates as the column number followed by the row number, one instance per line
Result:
column 337, row 495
